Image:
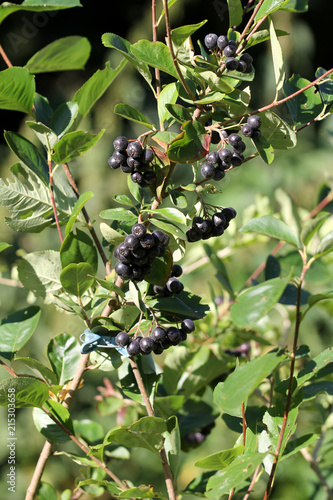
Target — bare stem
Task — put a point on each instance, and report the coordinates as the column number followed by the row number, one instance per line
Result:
column 154, row 25
column 5, row 58
column 314, row 466
column 39, row 469
column 250, row 21
column 53, row 201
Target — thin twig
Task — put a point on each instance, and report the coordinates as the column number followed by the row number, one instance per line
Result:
column 314, row 466
column 5, row 57
column 53, row 201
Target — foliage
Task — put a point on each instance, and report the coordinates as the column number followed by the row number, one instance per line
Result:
column 246, row 361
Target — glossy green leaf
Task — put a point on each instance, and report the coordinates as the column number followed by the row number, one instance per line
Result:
column 263, row 36
column 234, row 476
column 171, row 214
column 125, row 48
column 306, row 105
column 17, row 89
column 93, row 89
column 39, row 272
column 168, row 95
column 29, row 154
column 47, row 427
column 277, row 58
column 63, row 118
column 325, row 246
column 141, row 491
column 73, row 145
column 172, row 444
column 77, row 278
column 268, row 7
column 161, row 270
column 7, row 8
column 186, row 147
column 111, row 235
column 63, row 352
column 78, row 247
column 220, row 460
column 325, row 88
column 312, row 226
column 179, row 112
column 129, row 113
column 16, row 329
column 320, row 365
column 46, row 492
column 111, row 286
column 32, row 367
column 179, row 35
column 217, row 83
column 184, row 306
column 82, row 200
column 235, row 10
column 170, row 228
column 155, row 54
column 241, row 383
column 296, row 6
column 119, row 214
column 4, row 246
column 68, row 53
column 255, row 302
column 273, row 228
column 146, row 433
column 45, row 134
column 276, row 131
column 264, row 148
column 24, row 392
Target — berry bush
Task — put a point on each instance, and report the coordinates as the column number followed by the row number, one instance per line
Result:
column 186, row 353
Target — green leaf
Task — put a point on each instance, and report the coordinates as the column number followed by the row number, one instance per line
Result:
column 277, row 58
column 63, row 351
column 273, row 228
column 235, row 12
column 317, row 367
column 276, row 131
column 221, row 459
column 311, row 227
column 146, row 433
column 29, row 201
column 78, row 248
column 63, row 118
column 24, row 392
column 28, row 154
column 17, row 88
column 47, row 427
column 242, row 382
column 46, row 492
column 7, row 8
column 155, row 54
column 296, row 6
column 262, row 36
column 111, row 235
column 141, row 491
column 169, row 214
column 161, row 270
column 4, row 246
column 119, row 214
column 68, row 53
column 39, row 272
column 306, row 105
column 264, row 148
column 185, row 306
column 179, row 112
column 325, row 246
column 179, row 35
column 82, row 200
column 255, row 302
column 73, row 145
column 172, row 444
column 216, row 83
column 94, row 88
column 133, row 114
column 268, row 7
column 77, row 278
column 168, row 96
column 111, row 286
column 16, row 329
column 325, row 88
column 186, row 147
column 45, row 134
column 32, row 367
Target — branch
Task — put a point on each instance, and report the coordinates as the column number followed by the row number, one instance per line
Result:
column 5, row 58
column 314, row 466
column 53, row 201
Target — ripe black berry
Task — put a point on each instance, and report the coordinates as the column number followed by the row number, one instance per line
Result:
column 229, row 50
column 234, row 139
column 137, row 177
column 158, row 334
column 237, row 159
column 241, row 66
column 147, row 241
column 240, row 147
column 254, row 121
column 229, row 212
column 146, row 345
column 133, row 347
column 176, row 271
column 188, row 325
column 134, row 149
column 246, row 58
column 225, row 155
column 161, row 238
column 139, row 230
column 231, row 63
column 174, row 285
column 210, row 41
column 193, row 235
column 222, row 42
column 131, row 242
column 147, row 155
column 219, row 219
column 212, row 157
column 174, row 335
column 113, row 162
column 123, row 270
column 123, row 339
column 218, row 174
column 247, row 130
column 120, row 143
column 207, row 170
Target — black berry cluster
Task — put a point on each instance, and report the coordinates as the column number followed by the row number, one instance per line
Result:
column 132, row 158
column 138, row 251
column 204, row 228
column 228, row 48
column 173, row 285
column 251, row 127
column 159, row 339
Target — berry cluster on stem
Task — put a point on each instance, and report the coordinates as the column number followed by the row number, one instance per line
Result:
column 204, row 228
column 227, row 49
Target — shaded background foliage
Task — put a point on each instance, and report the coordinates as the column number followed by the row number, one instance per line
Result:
column 300, row 172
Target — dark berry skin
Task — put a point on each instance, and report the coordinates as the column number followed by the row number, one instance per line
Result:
column 256, row 134
column 131, row 242
column 127, row 169
column 240, row 147
column 205, row 226
column 207, row 170
column 120, row 143
column 234, row 139
column 237, row 159
column 241, row 66
column 231, row 63
column 254, row 121
column 219, row 219
column 157, row 349
column 246, row 58
column 247, row 130
column 138, row 273
column 133, row 348
column 219, row 174
column 176, row 271
column 213, row 157
column 158, row 334
column 193, row 235
column 134, row 149
column 146, row 345
column 174, row 285
column 136, row 177
column 123, row 270
column 222, row 42
column 210, row 41
column 229, row 212
column 147, row 155
column 161, row 237
column 225, row 155
column 139, row 230
column 133, row 163
column 217, row 230
column 174, row 335
column 188, row 325
column 123, row 339
column 147, row 241
column 149, row 177
column 113, row 162
column 229, row 50
column 158, row 289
